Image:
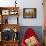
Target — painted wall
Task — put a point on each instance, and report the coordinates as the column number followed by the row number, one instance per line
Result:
column 27, row 4
column 33, row 22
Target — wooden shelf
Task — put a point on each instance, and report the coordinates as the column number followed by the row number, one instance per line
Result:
column 4, row 13
column 3, row 8
column 11, row 26
column 8, row 11
column 9, row 43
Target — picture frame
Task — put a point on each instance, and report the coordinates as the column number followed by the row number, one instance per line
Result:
column 29, row 12
column 5, row 12
column 13, row 12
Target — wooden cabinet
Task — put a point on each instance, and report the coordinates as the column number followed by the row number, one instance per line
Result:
column 10, row 43
column 9, row 26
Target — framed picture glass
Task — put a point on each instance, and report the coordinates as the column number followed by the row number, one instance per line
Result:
column 5, row 12
column 29, row 12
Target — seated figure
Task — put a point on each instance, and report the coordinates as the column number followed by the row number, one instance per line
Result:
column 30, row 38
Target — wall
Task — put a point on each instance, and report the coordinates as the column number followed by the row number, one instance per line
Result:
column 27, row 4
column 32, row 22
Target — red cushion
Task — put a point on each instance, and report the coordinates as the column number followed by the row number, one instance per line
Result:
column 29, row 33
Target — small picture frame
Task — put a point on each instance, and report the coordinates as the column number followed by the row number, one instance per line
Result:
column 5, row 12
column 29, row 12
column 13, row 12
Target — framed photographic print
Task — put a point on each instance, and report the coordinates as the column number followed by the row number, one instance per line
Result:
column 13, row 12
column 5, row 12
column 29, row 12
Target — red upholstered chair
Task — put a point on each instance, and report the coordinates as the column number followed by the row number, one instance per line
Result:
column 29, row 33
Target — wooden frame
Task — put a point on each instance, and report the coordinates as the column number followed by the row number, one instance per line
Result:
column 13, row 12
column 5, row 12
column 29, row 12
